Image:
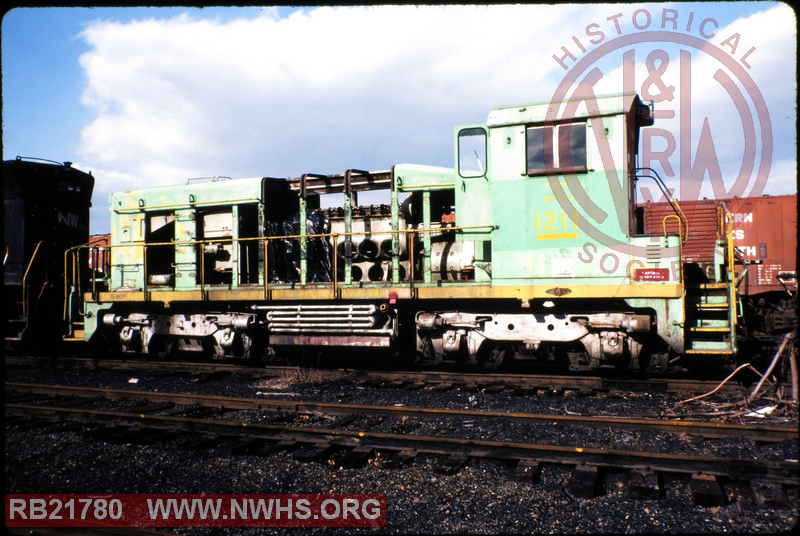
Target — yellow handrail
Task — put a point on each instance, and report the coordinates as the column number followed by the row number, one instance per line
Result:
column 672, row 201
column 264, row 239
column 680, row 226
column 25, row 279
column 71, row 258
column 187, row 204
column 725, row 232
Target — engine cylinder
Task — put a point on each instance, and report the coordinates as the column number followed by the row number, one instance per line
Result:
column 369, row 249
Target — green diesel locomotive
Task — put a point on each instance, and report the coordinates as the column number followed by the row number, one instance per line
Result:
column 530, row 247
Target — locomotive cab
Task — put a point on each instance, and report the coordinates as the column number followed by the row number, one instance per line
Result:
column 556, row 194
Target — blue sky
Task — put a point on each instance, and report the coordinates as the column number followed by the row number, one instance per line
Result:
column 150, row 96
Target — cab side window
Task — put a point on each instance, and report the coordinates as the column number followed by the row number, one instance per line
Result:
column 559, row 149
column 472, row 152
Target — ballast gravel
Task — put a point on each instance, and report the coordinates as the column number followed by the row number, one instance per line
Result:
column 480, row 498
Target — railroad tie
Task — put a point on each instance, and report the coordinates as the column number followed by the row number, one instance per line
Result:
column 583, row 482
column 706, row 491
column 452, row 464
column 769, row 494
column 643, row 484
column 527, row 471
column 355, row 458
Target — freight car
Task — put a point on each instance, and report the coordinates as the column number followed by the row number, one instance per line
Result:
column 46, row 213
column 764, row 232
column 529, row 248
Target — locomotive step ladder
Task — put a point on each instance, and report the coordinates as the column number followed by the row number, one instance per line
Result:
column 710, row 319
column 16, row 321
column 712, row 307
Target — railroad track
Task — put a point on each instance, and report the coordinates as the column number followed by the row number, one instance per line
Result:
column 702, row 428
column 348, row 434
column 466, row 380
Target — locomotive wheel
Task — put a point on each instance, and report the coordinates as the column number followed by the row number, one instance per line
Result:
column 428, row 355
column 162, row 347
column 495, row 356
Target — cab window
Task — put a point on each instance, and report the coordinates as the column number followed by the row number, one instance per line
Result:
column 472, row 152
column 560, row 148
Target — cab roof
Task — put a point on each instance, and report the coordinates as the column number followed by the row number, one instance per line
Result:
column 553, row 112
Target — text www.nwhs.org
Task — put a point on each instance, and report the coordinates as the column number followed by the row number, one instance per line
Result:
column 196, row 510
column 269, row 509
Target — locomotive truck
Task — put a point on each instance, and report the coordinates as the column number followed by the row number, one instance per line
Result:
column 529, row 248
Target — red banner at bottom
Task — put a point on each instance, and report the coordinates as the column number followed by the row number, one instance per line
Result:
column 195, row 510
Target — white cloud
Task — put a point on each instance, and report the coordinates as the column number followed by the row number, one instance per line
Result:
column 306, row 93
column 782, row 178
column 332, row 88
column 766, row 41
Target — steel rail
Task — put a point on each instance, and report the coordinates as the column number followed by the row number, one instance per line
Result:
column 784, row 472
column 707, row 429
column 520, row 381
